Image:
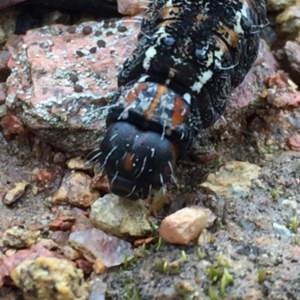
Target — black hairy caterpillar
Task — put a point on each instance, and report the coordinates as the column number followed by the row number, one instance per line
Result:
column 190, row 56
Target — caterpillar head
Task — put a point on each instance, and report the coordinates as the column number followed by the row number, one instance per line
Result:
column 136, row 161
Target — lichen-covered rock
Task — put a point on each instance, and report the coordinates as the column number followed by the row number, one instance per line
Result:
column 63, row 77
column 120, row 217
column 19, row 237
column 50, row 278
column 14, row 194
column 233, row 179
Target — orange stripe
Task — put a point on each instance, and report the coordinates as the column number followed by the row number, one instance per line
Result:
column 177, row 116
column 169, row 12
column 155, row 101
column 128, row 162
column 134, row 92
column 165, row 23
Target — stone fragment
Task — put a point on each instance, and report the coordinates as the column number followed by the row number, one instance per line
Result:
column 294, row 142
column 94, row 243
column 8, row 263
column 98, row 290
column 75, row 189
column 62, row 223
column 79, row 164
column 82, row 222
column 19, row 237
column 281, row 230
column 3, row 110
column 99, row 266
column 248, row 90
column 37, row 279
column 184, row 225
column 47, row 178
column 60, row 237
column 292, row 52
column 4, row 58
column 204, row 238
column 100, row 182
column 11, row 125
column 2, row 92
column 285, row 98
column 233, row 179
column 14, row 194
column 70, row 252
column 132, row 7
column 120, row 217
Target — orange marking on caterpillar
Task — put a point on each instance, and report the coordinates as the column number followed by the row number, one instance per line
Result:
column 128, row 162
column 177, row 115
column 221, row 44
column 149, row 113
column 231, row 35
column 167, row 22
column 169, row 12
column 134, row 92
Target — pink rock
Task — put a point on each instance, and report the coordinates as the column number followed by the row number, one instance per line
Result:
column 294, row 142
column 12, row 125
column 253, row 83
column 62, row 77
column 184, row 225
column 286, row 98
column 94, row 243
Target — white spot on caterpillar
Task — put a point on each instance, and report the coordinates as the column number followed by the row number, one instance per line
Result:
column 150, row 53
column 203, row 78
column 187, row 98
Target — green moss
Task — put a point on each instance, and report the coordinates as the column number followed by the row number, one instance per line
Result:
column 219, row 275
column 160, row 242
column 184, row 256
column 212, row 294
column 273, row 194
column 293, row 225
column 261, row 276
column 130, row 291
column 199, row 253
column 165, row 267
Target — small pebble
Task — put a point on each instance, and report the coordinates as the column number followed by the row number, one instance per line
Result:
column 184, row 225
column 281, row 230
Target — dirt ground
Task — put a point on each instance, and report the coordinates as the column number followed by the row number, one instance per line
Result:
column 262, row 260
